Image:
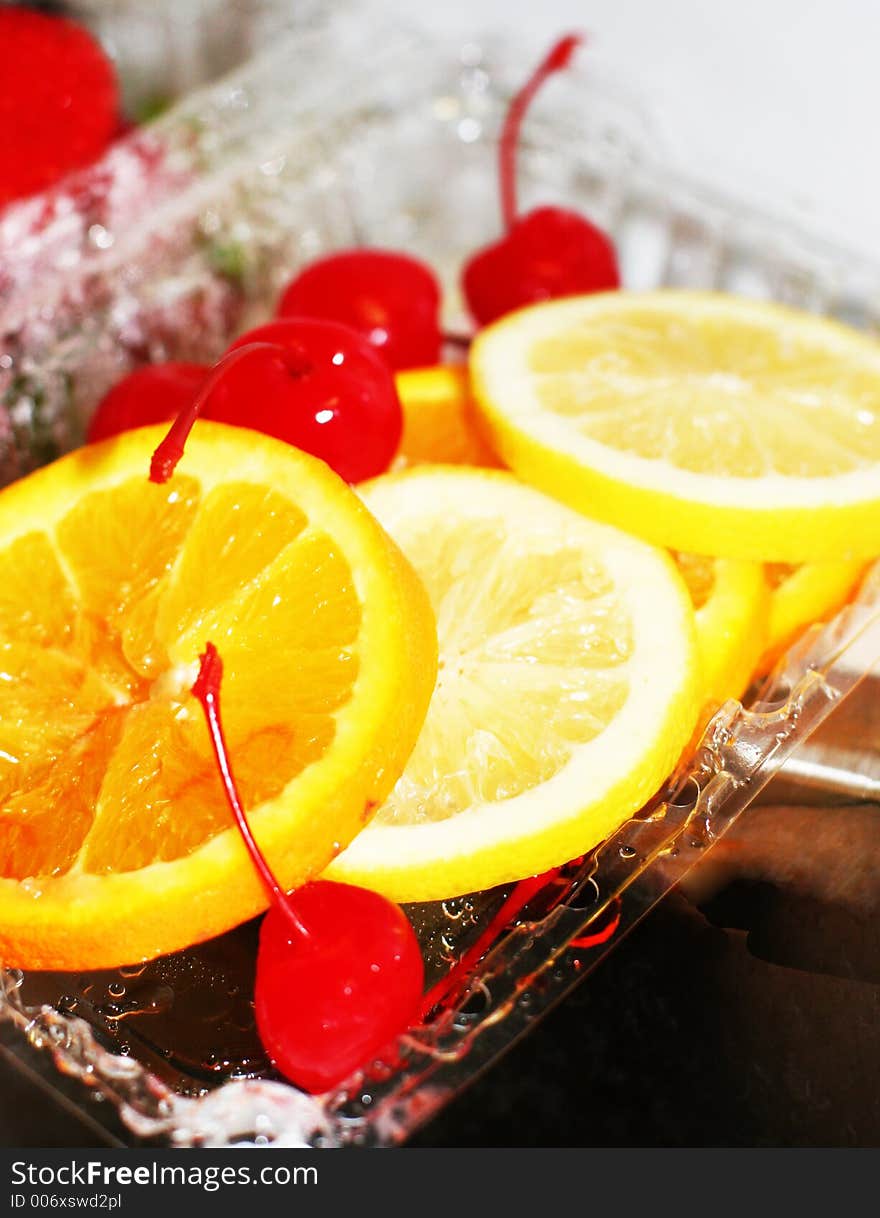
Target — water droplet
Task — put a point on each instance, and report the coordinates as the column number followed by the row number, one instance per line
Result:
column 100, row 237
column 627, row 852
column 116, row 989
column 476, row 1002
column 447, row 947
column 469, row 130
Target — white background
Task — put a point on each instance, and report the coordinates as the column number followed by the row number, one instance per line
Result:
column 778, row 100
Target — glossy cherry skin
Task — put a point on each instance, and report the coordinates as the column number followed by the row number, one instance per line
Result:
column 391, row 299
column 328, row 1003
column 154, row 394
column 333, row 396
column 59, row 103
column 548, row 253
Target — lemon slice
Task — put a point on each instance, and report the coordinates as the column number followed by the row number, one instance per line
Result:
column 801, row 595
column 731, row 599
column 567, row 685
column 707, row 423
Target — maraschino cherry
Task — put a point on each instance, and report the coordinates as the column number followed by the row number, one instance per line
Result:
column 548, row 252
column 59, row 101
column 154, row 394
column 339, row 970
column 391, row 299
column 316, row 384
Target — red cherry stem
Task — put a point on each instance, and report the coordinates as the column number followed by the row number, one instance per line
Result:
column 461, row 341
column 169, row 452
column 446, row 991
column 207, row 690
column 510, row 908
column 558, row 57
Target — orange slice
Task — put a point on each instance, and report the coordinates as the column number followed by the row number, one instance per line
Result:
column 115, row 841
column 440, row 425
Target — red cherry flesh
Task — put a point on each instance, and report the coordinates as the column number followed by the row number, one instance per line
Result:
column 549, row 252
column 59, row 101
column 339, row 969
column 154, row 394
column 390, row 299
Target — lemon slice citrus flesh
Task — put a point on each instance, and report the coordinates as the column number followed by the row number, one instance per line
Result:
column 731, row 600
column 116, row 843
column 567, row 685
column 707, row 423
column 803, row 594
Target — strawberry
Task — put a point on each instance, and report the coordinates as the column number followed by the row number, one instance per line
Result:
column 59, row 100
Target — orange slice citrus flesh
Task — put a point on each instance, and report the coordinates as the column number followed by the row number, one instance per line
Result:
column 115, row 840
column 800, row 595
column 440, row 425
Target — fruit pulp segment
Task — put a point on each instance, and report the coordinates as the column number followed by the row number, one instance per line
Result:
column 533, row 651
column 34, row 839
column 744, row 401
column 698, row 572
column 162, row 795
column 778, row 572
column 101, row 624
column 234, row 536
column 36, row 601
column 440, row 424
column 48, row 699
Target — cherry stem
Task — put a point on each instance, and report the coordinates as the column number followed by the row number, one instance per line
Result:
column 510, row 908
column 557, row 58
column 207, row 690
column 461, row 341
column 451, row 988
column 169, row 452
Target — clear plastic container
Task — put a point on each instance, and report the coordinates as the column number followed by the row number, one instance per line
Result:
column 165, row 48
column 251, row 180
